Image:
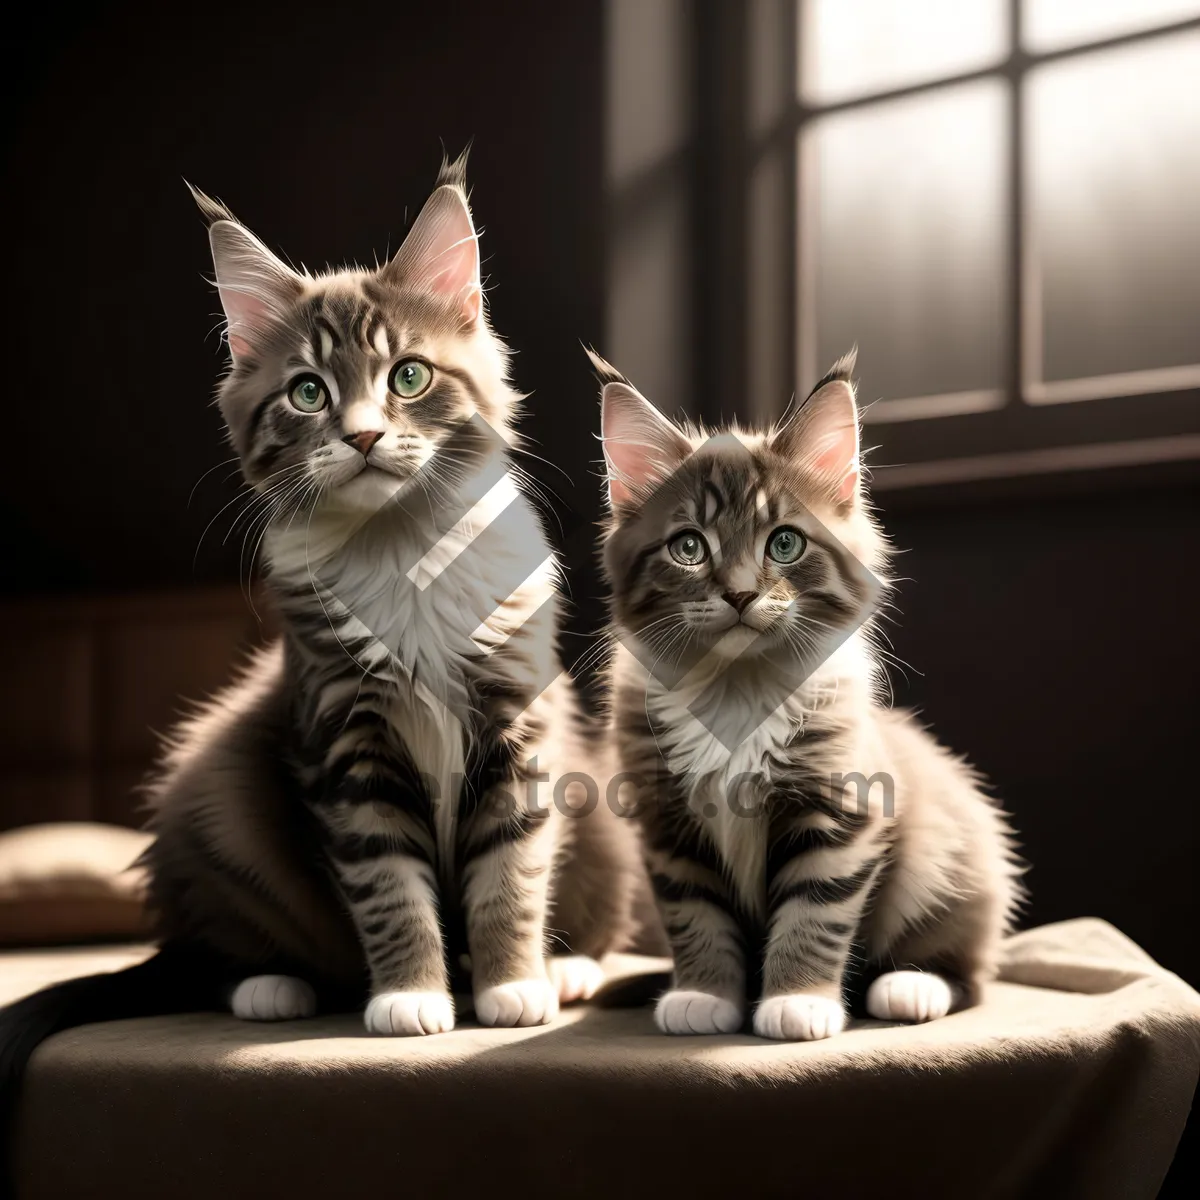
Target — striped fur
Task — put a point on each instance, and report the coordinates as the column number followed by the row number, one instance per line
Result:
column 362, row 810
column 775, row 884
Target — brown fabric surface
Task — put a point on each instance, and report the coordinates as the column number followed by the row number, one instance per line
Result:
column 71, row 882
column 1072, row 1079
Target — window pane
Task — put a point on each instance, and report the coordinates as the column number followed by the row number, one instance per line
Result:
column 903, row 243
column 1052, row 24
column 1114, row 192
column 853, row 47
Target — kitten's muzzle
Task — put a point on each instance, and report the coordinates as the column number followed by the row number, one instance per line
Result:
column 739, row 601
column 364, row 441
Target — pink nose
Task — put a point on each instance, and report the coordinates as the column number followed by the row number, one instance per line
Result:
column 740, row 600
column 363, row 442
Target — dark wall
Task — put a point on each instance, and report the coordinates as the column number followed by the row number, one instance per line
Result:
column 319, row 125
column 1058, row 646
column 1056, row 635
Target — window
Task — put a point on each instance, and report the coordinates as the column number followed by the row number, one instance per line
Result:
column 997, row 201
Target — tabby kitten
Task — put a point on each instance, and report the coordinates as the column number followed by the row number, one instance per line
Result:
column 372, row 806
column 415, row 702
column 745, row 569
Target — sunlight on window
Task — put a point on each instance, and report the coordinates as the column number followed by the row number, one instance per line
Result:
column 1113, row 158
column 854, row 47
column 906, row 231
column 1053, row 24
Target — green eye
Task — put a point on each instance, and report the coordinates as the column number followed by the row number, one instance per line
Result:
column 308, row 394
column 410, row 378
column 786, row 545
column 688, row 548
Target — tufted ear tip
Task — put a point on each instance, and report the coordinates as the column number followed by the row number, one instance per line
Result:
column 212, row 210
column 843, row 369
column 453, row 172
column 605, row 371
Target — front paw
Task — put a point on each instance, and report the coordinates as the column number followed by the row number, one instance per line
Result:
column 524, row 1002
column 799, row 1018
column 909, row 996
column 696, row 1012
column 409, row 1014
column 575, row 977
column 272, row 998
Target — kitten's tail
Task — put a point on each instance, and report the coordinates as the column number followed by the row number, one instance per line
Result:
column 176, row 979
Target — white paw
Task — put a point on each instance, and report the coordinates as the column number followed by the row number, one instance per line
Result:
column 909, row 996
column 272, row 998
column 799, row 1018
column 409, row 1014
column 696, row 1012
column 525, row 1002
column 575, row 976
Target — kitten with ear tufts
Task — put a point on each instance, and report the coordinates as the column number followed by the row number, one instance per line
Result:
column 371, row 804
column 802, row 835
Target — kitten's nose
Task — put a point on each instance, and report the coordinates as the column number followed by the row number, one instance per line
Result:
column 363, row 441
column 740, row 600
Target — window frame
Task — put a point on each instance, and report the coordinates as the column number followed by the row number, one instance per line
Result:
column 1027, row 426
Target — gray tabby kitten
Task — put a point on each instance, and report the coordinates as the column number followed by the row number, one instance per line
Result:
column 368, row 793
column 745, row 569
column 379, row 802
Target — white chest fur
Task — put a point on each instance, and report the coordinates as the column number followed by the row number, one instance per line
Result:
column 418, row 608
column 726, row 787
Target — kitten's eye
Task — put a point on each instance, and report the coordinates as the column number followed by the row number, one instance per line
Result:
column 410, row 378
column 688, row 548
column 786, row 545
column 308, row 394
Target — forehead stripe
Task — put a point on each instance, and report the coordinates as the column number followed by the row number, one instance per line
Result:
column 379, row 339
column 325, row 347
column 362, row 323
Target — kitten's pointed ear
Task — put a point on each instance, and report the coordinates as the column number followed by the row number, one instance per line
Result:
column 255, row 287
column 441, row 252
column 641, row 447
column 823, row 433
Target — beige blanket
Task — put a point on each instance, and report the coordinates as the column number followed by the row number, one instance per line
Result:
column 1072, row 1079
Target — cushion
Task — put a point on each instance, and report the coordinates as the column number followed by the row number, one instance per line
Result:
column 71, row 882
column 1072, row 1079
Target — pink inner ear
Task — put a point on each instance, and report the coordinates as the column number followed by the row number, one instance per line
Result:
column 618, row 493
column 472, row 302
column 453, row 270
column 627, row 462
column 245, row 316
column 838, row 458
column 640, row 446
column 441, row 253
